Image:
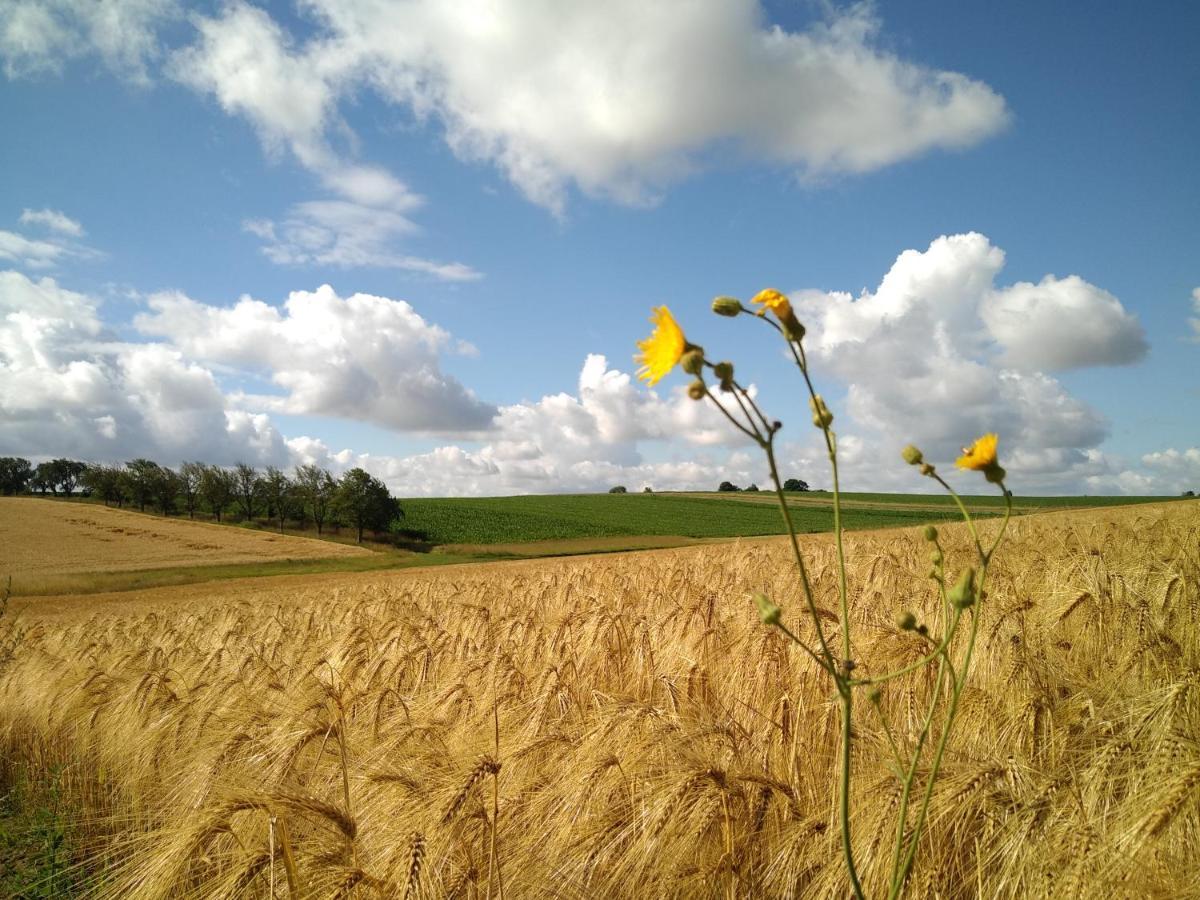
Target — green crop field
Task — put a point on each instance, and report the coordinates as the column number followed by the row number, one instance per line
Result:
column 505, row 520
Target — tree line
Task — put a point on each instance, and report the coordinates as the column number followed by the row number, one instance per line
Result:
column 309, row 494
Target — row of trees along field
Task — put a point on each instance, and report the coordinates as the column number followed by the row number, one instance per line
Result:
column 309, row 494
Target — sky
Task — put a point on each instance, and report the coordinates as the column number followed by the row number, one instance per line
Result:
column 423, row 238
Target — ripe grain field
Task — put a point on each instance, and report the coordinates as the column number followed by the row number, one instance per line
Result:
column 49, row 537
column 623, row 726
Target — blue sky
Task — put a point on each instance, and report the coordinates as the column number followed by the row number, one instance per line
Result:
column 512, row 186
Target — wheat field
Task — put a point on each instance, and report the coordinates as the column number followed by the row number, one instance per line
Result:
column 47, row 536
column 623, row 726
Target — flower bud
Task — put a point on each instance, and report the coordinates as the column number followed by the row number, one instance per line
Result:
column 930, row 533
column 962, row 595
column 994, row 474
column 767, row 611
column 912, row 455
column 696, row 390
column 692, row 362
column 728, row 306
column 724, row 372
column 822, row 417
column 907, row 622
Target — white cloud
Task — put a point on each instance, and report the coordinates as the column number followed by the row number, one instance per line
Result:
column 68, row 387
column 346, row 234
column 32, row 253
column 938, row 354
column 247, row 62
column 53, row 220
column 37, row 253
column 362, row 357
column 40, row 36
column 648, row 90
column 1062, row 324
column 589, row 440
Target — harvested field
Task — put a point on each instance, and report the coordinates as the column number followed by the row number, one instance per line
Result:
column 43, row 537
column 623, row 726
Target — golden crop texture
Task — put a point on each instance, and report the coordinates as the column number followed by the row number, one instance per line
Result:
column 654, row 740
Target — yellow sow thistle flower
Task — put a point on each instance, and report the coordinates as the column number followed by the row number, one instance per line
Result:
column 660, row 352
column 981, row 457
column 776, row 302
column 773, row 300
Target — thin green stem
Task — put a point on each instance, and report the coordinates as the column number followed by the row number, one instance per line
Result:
column 910, row 775
column 831, row 663
column 960, row 681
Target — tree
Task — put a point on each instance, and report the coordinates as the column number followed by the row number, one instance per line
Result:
column 647, row 490
column 317, row 489
column 277, row 488
column 365, row 502
column 619, row 489
column 795, row 484
column 15, row 475
column 106, row 482
column 43, row 479
column 190, row 474
column 726, row 487
column 140, row 478
column 1189, row 493
column 216, row 487
column 165, row 488
column 753, row 489
column 65, row 474
column 247, row 488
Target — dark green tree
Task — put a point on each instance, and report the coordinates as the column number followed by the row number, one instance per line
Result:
column 247, row 489
column 317, row 490
column 106, row 482
column 140, row 479
column 43, row 479
column 795, row 484
column 190, row 474
column 15, row 475
column 727, row 486
column 165, row 487
column 365, row 502
column 279, row 492
column 216, row 487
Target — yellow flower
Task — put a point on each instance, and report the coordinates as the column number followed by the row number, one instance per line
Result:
column 980, row 456
column 664, row 348
column 774, row 301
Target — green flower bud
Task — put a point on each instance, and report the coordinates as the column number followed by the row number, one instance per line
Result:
column 696, row 390
column 724, row 372
column 692, row 362
column 907, row 622
column 994, row 474
column 767, row 611
column 930, row 533
column 962, row 595
column 912, row 455
column 822, row 417
column 792, row 329
column 728, row 306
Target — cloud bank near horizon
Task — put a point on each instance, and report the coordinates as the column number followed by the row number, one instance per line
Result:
column 934, row 355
